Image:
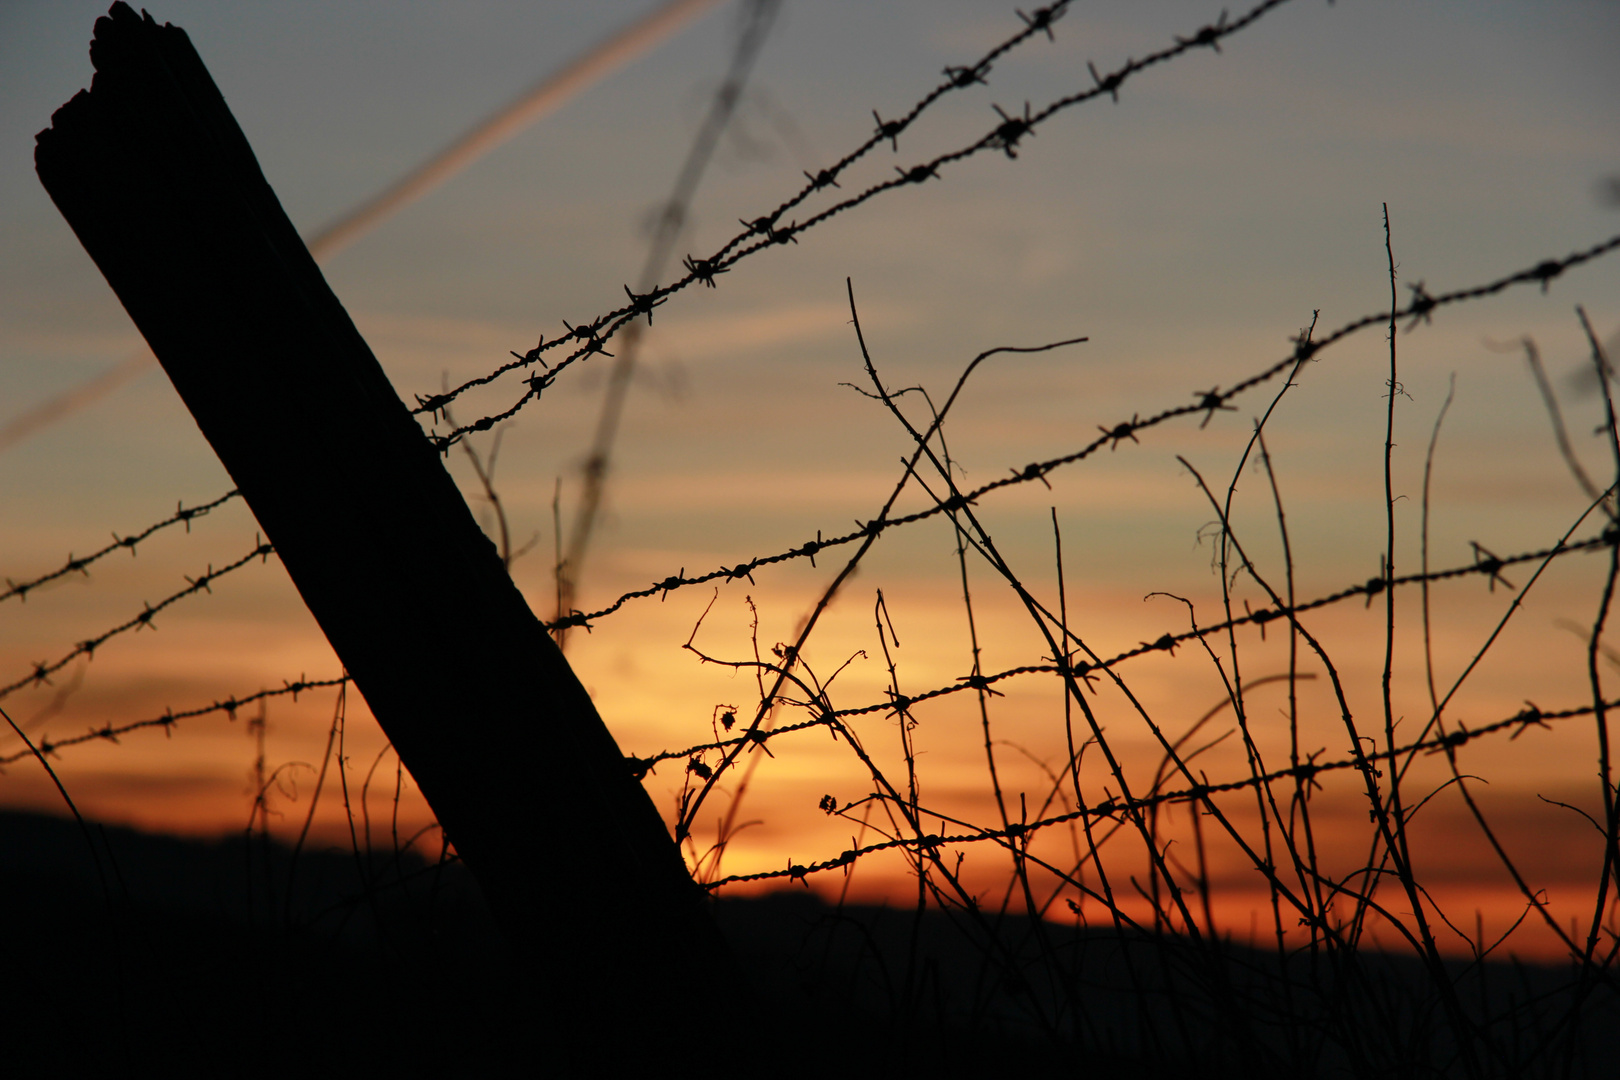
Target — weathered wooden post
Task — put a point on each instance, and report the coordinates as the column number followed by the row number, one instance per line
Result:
column 156, row 178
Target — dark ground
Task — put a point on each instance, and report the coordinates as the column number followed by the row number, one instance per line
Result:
column 229, row 959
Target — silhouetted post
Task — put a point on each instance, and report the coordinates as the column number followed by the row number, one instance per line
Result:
column 158, row 181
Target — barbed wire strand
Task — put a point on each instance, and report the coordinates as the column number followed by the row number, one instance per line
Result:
column 1531, row 716
column 182, row 515
column 202, row 583
column 1005, row 136
column 110, row 732
column 704, row 270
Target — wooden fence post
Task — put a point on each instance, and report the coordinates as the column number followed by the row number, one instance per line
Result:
column 158, row 181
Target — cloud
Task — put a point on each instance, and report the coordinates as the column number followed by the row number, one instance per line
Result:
column 717, row 336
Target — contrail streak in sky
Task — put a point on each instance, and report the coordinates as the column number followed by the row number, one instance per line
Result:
column 540, row 100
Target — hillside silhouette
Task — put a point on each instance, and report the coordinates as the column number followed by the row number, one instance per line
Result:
column 235, row 957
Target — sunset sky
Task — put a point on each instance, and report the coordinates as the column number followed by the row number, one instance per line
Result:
column 1188, row 231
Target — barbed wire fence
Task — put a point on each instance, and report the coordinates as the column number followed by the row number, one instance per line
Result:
column 598, row 331
column 1336, row 909
column 1421, row 307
